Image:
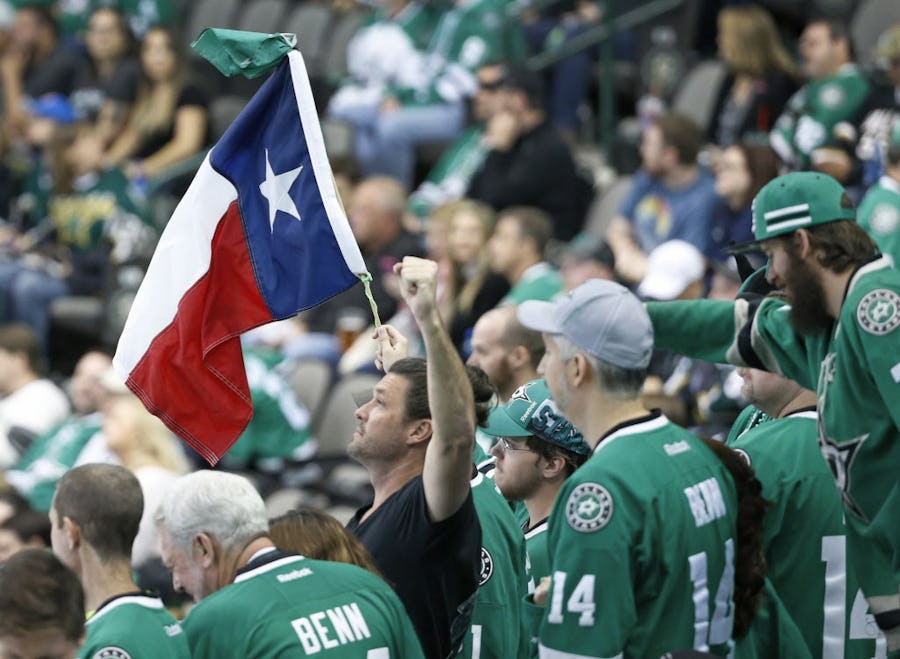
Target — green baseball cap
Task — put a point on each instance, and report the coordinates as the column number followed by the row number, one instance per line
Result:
column 531, row 411
column 796, row 201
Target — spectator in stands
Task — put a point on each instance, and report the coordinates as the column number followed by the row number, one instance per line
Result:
column 517, row 252
column 87, row 218
column 315, row 534
column 26, row 529
column 416, row 438
column 51, row 455
column 496, row 628
column 95, row 517
column 449, row 179
column 835, row 92
column 586, row 257
column 529, row 164
column 144, row 446
column 761, row 76
column 741, row 171
column 861, row 151
column 428, row 104
column 538, row 449
column 168, row 121
column 378, row 58
column 506, row 350
column 41, row 607
column 569, row 78
column 671, row 198
column 141, row 15
column 254, row 600
column 879, row 211
column 106, row 89
column 30, row 405
column 35, row 63
column 471, row 288
column 11, row 502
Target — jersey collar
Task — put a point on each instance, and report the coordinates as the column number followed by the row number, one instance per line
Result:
column 652, row 421
column 146, row 599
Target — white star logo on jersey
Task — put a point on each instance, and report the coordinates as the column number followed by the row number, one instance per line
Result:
column 589, row 507
column 838, row 455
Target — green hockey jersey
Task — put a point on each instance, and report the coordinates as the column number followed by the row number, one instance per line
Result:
column 814, row 110
column 855, row 370
column 280, row 427
column 642, row 545
column 449, row 179
column 284, row 605
column 804, row 537
column 133, row 626
column 497, row 630
column 49, row 457
column 879, row 215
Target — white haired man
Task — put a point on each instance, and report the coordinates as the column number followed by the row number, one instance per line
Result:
column 256, row 601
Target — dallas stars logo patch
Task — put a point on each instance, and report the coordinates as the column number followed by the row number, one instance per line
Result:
column 589, row 508
column 879, row 311
column 521, row 394
column 487, row 567
column 111, row 652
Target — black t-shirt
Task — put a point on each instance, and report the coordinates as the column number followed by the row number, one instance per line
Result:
column 433, row 566
column 190, row 96
column 55, row 74
column 91, row 91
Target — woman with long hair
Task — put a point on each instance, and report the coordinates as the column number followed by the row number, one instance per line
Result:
column 761, row 76
column 471, row 287
column 143, row 445
column 168, row 121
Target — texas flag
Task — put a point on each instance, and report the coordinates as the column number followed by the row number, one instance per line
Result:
column 258, row 236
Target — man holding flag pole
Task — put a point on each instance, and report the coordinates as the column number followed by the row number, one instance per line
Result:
column 259, row 235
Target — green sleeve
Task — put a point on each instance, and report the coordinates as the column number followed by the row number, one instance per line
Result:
column 591, row 608
column 773, row 632
column 703, row 329
column 532, row 615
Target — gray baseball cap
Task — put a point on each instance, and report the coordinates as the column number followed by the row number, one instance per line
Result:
column 602, row 318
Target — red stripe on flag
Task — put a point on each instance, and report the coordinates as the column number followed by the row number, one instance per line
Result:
column 192, row 376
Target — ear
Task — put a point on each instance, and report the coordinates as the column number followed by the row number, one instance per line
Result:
column 203, row 550
column 802, row 243
column 555, row 468
column 579, row 370
column 420, row 431
column 518, row 357
column 72, row 533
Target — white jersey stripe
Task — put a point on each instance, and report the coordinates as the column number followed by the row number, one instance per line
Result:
column 548, row 653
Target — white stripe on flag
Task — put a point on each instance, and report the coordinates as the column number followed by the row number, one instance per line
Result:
column 182, row 257
column 787, row 210
column 322, row 170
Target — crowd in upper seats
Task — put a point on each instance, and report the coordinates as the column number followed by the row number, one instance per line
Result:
column 100, row 110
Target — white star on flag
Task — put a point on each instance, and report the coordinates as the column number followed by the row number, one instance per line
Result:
column 276, row 190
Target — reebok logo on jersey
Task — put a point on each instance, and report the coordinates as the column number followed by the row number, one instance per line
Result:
column 706, row 502
column 589, row 508
column 879, row 311
column 294, row 574
column 676, row 447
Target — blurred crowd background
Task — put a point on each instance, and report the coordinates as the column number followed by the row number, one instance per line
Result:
column 526, row 146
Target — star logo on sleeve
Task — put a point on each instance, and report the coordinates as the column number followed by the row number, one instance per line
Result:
column 276, row 189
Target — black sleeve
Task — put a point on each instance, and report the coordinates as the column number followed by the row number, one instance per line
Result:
column 122, row 86
column 191, row 95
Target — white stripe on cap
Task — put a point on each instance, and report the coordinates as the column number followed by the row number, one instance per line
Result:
column 787, row 210
column 785, row 224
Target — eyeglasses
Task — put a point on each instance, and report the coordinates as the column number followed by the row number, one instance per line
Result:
column 511, row 446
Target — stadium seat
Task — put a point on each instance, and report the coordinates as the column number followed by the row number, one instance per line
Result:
column 337, row 421
column 606, row 207
column 335, row 64
column 209, row 13
column 311, row 380
column 696, row 94
column 262, row 16
column 871, row 19
column 222, row 111
column 310, row 22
